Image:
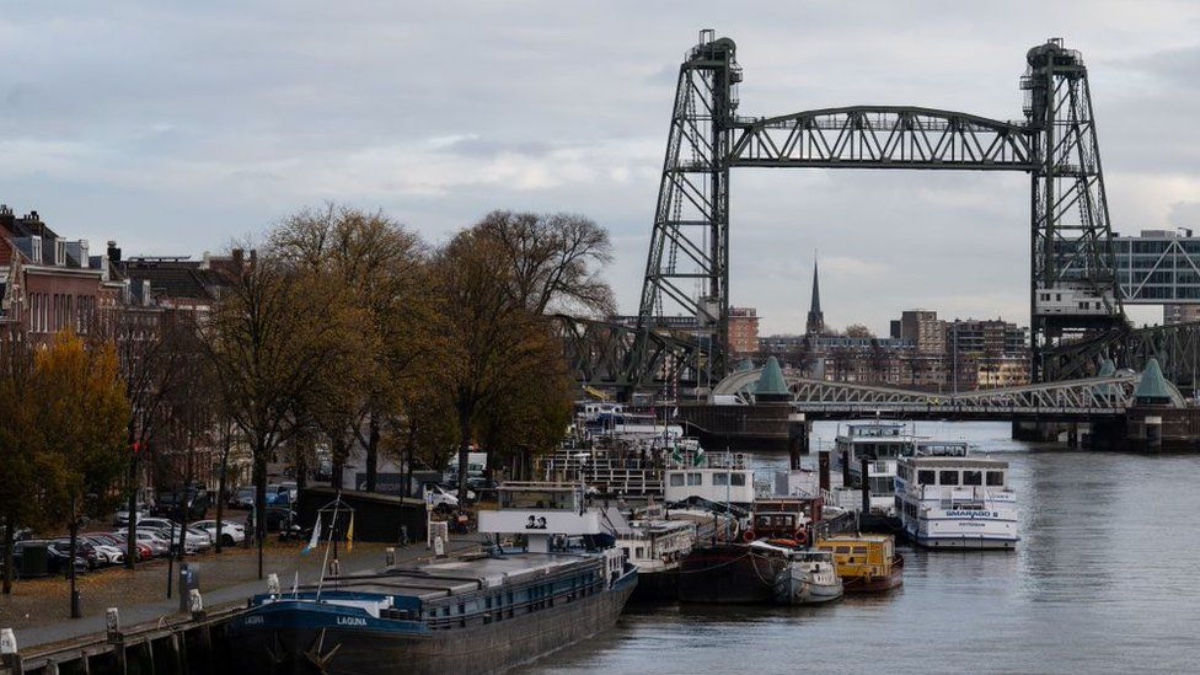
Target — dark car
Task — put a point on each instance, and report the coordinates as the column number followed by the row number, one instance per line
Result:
column 278, row 517
column 56, row 560
column 170, row 504
column 83, row 549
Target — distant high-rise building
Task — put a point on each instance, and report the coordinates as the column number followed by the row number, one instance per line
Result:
column 816, row 320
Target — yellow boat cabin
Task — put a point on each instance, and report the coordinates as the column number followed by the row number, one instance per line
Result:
column 865, row 562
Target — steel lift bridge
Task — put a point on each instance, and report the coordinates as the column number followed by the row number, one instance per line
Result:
column 1073, row 287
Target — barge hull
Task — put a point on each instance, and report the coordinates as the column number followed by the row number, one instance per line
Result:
column 489, row 648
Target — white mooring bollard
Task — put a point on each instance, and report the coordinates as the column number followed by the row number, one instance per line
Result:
column 8, row 642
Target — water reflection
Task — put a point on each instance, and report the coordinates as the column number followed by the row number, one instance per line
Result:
column 1103, row 581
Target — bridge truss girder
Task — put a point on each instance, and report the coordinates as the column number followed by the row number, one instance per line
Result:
column 1090, row 396
column 598, row 352
column 1056, row 145
column 1176, row 347
column 883, row 137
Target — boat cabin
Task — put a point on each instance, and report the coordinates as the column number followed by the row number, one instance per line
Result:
column 861, row 556
column 541, row 511
column 784, row 518
column 723, row 478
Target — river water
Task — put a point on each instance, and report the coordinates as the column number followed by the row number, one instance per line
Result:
column 1104, row 580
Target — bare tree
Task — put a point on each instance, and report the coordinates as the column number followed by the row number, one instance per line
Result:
column 275, row 333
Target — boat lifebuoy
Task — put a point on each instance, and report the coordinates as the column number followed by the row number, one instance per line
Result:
column 748, row 535
column 801, row 537
column 786, row 543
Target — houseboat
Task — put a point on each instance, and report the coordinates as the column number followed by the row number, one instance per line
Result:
column 656, row 544
column 691, row 474
column 758, row 572
column 867, row 563
column 951, row 500
column 556, row 583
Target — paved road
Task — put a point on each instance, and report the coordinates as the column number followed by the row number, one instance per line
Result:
column 39, row 610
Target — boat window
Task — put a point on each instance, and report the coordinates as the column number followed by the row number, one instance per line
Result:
column 925, row 477
column 972, row 478
column 720, row 479
column 948, row 477
column 995, row 478
column 737, row 479
column 676, row 480
column 843, row 550
column 860, row 550
column 694, row 479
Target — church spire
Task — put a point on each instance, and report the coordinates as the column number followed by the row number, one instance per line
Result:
column 816, row 319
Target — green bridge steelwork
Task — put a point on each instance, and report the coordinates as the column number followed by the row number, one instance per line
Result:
column 1089, row 398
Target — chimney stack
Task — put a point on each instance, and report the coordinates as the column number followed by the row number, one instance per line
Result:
column 114, row 253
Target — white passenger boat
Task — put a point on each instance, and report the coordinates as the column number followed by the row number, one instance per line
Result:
column 877, row 446
column 954, row 501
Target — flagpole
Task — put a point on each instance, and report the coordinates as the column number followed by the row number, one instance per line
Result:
column 332, row 528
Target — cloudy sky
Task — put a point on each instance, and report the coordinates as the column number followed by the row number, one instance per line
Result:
column 175, row 127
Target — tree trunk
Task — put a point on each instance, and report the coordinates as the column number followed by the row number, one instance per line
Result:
column 464, row 429
column 10, row 525
column 339, row 463
column 222, row 485
column 372, row 452
column 260, row 501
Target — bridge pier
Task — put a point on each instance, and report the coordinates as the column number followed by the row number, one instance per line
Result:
column 1039, row 432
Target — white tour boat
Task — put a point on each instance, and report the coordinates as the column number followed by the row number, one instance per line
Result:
column 950, row 500
column 881, row 444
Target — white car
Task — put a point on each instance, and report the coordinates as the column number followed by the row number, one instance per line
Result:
column 231, row 532
column 106, row 554
column 439, row 498
column 159, row 546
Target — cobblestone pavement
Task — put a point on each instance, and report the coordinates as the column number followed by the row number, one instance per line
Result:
column 39, row 609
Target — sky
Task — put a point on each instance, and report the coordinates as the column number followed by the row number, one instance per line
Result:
column 178, row 127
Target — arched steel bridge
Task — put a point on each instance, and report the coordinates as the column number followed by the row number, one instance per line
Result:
column 1090, row 398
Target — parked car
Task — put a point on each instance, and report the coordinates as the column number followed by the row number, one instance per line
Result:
column 143, row 551
column 443, row 499
column 56, row 559
column 231, row 532
column 83, row 549
column 278, row 517
column 121, row 517
column 159, row 545
column 106, row 552
column 244, row 498
column 171, row 504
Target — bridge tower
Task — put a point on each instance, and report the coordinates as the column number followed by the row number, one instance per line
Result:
column 689, row 248
column 1073, row 286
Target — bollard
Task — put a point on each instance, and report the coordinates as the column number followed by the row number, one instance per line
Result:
column 76, row 604
column 8, row 642
column 389, row 556
column 196, row 604
column 335, row 568
column 273, row 583
column 112, row 624
column 439, row 547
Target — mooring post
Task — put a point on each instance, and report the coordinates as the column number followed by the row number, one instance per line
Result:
column 9, row 656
